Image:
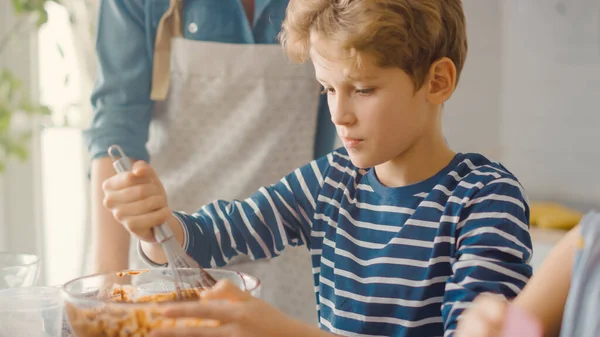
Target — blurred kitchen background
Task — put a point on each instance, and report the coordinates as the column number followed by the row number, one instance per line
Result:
column 527, row 97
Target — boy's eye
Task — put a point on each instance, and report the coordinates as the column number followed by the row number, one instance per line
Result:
column 365, row 92
column 368, row 91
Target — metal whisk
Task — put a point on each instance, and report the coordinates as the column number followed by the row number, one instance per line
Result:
column 188, row 274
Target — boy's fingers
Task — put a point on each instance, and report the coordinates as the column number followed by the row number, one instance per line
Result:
column 123, row 180
column 131, row 194
column 222, row 331
column 142, row 225
column 221, row 311
column 226, row 290
column 140, row 207
column 476, row 327
column 484, row 318
column 138, row 165
column 493, row 308
column 142, row 169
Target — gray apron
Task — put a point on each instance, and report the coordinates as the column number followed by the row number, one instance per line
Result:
column 235, row 117
column 581, row 317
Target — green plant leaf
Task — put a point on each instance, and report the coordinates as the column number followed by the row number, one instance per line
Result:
column 32, row 109
column 44, row 110
column 10, row 78
column 22, row 7
column 42, row 17
column 9, row 86
column 12, row 96
column 18, row 5
column 21, row 152
column 15, row 146
column 26, row 107
column 5, row 118
column 60, row 50
column 25, row 137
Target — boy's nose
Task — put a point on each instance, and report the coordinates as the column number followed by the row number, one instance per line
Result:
column 341, row 113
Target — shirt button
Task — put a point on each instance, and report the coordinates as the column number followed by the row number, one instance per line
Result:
column 193, row 28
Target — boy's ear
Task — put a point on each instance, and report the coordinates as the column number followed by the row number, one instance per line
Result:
column 441, row 81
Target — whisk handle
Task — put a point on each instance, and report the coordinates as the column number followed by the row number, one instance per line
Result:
column 163, row 233
column 121, row 162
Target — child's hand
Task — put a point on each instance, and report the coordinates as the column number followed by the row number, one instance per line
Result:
column 137, row 200
column 239, row 313
column 485, row 318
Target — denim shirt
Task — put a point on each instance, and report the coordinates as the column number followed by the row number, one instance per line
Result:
column 125, row 48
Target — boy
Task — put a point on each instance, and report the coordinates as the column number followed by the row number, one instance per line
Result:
column 404, row 233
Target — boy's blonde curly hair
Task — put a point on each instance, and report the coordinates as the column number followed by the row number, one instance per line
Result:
column 407, row 34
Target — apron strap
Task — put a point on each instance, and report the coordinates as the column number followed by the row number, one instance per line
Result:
column 169, row 26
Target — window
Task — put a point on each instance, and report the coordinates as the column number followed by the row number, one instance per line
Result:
column 63, row 161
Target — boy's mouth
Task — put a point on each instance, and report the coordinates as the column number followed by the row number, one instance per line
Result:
column 351, row 142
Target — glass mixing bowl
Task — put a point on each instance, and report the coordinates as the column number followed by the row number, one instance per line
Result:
column 18, row 270
column 128, row 303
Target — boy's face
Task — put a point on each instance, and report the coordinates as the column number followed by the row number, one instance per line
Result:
column 376, row 111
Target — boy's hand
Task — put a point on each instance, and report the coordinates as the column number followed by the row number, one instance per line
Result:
column 137, row 200
column 485, row 317
column 239, row 313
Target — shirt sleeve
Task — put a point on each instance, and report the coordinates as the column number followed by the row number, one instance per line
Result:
column 121, row 95
column 493, row 248
column 260, row 226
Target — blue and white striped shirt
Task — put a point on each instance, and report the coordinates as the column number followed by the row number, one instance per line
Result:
column 387, row 261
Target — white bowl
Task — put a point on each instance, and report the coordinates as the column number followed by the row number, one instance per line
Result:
column 18, row 270
column 31, row 312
